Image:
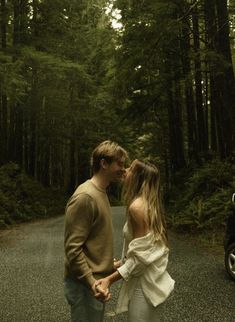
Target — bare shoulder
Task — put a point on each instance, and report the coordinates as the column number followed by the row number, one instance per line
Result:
column 137, row 210
column 138, row 218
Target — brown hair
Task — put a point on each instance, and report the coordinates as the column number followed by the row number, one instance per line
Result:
column 107, row 150
column 144, row 182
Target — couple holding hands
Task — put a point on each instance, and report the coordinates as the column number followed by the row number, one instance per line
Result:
column 89, row 267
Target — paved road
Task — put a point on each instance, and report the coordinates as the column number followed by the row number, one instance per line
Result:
column 31, row 273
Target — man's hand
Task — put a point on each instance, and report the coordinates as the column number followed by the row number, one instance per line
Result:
column 101, row 293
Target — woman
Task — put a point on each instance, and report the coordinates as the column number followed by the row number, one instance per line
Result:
column 146, row 283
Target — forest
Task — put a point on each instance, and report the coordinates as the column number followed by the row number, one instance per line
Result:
column 157, row 76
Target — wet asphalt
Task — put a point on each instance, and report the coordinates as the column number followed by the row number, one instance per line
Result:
column 31, row 277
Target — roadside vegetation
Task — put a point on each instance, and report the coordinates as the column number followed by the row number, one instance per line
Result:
column 22, row 198
column 200, row 202
column 202, row 199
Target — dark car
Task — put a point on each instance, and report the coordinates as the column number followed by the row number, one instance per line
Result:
column 229, row 243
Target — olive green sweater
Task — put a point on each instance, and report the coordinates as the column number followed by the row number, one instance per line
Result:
column 88, row 239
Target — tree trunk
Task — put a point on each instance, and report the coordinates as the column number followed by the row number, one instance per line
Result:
column 3, row 128
column 177, row 159
column 211, row 31
column 16, row 22
column 189, row 101
column 225, row 80
column 3, row 97
column 72, row 152
column 3, row 24
column 201, row 128
column 18, row 134
column 16, row 108
column 33, row 125
column 221, row 77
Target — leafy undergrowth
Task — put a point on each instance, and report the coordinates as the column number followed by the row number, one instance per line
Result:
column 23, row 198
column 201, row 201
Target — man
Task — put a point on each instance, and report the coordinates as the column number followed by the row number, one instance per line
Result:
column 89, row 235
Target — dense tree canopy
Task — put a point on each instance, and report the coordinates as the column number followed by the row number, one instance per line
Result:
column 181, row 88
column 162, row 84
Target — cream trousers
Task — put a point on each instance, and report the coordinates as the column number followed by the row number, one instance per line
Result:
column 142, row 311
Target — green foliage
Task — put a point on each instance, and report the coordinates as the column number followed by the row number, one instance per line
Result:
column 203, row 199
column 23, row 198
column 12, row 82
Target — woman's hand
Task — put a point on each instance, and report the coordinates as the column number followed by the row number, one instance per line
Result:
column 116, row 263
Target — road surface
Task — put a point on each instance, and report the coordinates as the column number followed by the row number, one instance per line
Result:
column 31, row 277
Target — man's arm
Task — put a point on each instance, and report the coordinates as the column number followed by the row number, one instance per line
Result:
column 78, row 224
column 79, row 218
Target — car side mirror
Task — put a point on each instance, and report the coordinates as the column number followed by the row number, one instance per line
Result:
column 233, row 197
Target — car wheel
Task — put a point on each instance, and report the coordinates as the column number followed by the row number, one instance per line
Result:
column 230, row 260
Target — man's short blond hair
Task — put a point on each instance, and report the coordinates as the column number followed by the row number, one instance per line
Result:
column 109, row 151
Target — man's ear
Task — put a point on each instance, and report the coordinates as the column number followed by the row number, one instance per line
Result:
column 103, row 164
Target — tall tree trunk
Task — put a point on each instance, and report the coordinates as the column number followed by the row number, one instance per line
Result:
column 26, row 139
column 19, row 134
column 179, row 126
column 3, row 97
column 72, row 172
column 34, row 108
column 73, row 138
column 3, row 24
column 16, row 108
column 189, row 101
column 225, row 80
column 20, row 27
column 206, row 111
column 221, row 77
column 3, row 128
column 33, row 125
column 177, row 159
column 211, row 31
column 11, row 131
column 16, row 22
column 201, row 128
column 44, row 148
column 45, row 165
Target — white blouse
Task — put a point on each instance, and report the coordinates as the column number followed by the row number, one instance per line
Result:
column 145, row 260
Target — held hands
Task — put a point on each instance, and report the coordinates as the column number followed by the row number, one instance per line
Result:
column 101, row 287
column 101, row 290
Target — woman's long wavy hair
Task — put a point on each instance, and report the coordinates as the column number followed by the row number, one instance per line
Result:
column 144, row 182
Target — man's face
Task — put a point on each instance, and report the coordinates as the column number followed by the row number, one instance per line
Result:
column 116, row 170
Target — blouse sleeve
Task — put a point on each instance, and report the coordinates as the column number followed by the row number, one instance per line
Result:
column 141, row 253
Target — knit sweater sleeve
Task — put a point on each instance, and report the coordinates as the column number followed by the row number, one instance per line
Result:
column 78, row 223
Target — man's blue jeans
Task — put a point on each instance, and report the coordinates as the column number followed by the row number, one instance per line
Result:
column 84, row 306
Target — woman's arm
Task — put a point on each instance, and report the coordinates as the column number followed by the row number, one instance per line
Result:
column 139, row 229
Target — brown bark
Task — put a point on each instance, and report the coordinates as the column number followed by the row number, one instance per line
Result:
column 210, row 34
column 189, row 100
column 201, row 128
column 225, row 80
column 3, row 97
